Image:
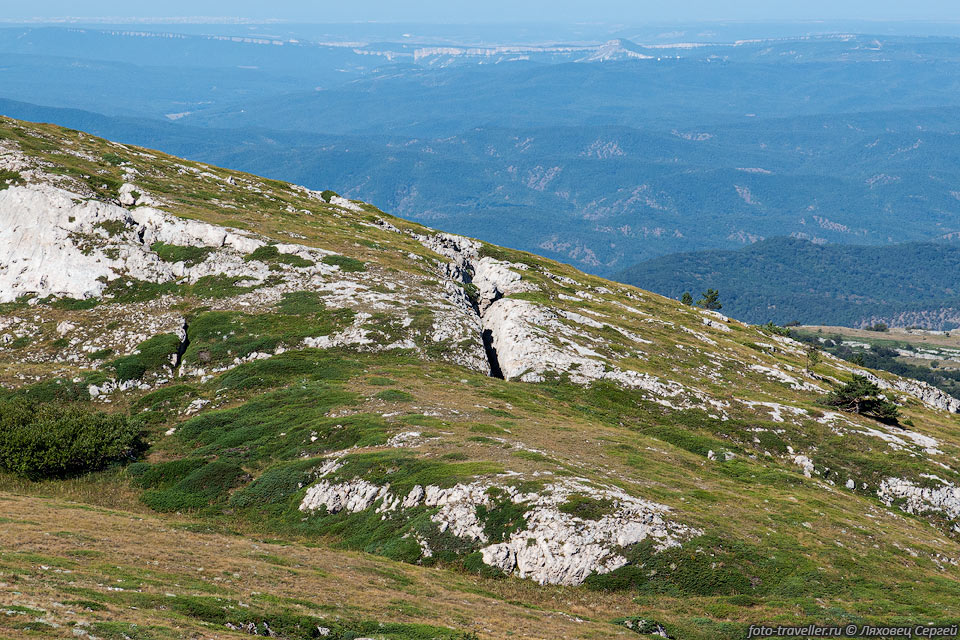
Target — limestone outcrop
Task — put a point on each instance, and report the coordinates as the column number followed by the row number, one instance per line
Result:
column 554, row 546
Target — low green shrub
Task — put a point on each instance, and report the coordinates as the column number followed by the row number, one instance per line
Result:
column 301, row 303
column 281, row 425
column 219, row 286
column 349, row 265
column 587, row 507
column 473, row 563
column 151, row 355
column 710, row 566
column 200, row 488
column 113, row 159
column 56, row 390
column 222, row 336
column 271, row 255
column 190, row 256
column 164, row 474
column 126, row 290
column 276, row 485
column 55, row 440
column 402, row 471
column 395, row 395
column 502, row 518
column 286, row 367
column 74, row 304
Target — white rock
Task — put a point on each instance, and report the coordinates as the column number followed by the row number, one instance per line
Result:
column 65, row 327
column 353, row 496
column 805, row 463
column 566, row 548
column 944, row 500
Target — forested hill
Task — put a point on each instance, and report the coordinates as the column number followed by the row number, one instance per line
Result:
column 785, row 280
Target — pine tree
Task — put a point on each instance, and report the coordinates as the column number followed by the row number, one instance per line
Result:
column 813, row 357
column 864, row 397
column 710, row 299
column 686, row 298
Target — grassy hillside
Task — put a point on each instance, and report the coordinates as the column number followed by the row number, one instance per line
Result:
column 312, row 379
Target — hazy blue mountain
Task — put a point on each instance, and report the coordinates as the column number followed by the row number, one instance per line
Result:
column 583, row 152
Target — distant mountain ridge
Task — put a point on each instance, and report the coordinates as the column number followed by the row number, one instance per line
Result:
column 792, row 280
column 839, row 139
column 605, row 197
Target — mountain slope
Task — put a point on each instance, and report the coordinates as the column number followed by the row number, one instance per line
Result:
column 785, row 279
column 307, row 368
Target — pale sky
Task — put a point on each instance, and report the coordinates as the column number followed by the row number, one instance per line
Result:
column 487, row 11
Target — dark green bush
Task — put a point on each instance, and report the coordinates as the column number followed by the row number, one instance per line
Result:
column 271, row 255
column 395, row 395
column 190, row 256
column 345, row 263
column 56, row 440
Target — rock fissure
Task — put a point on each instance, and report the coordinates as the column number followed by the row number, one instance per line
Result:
column 184, row 334
column 491, row 351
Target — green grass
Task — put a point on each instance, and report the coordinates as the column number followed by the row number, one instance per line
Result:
column 223, row 336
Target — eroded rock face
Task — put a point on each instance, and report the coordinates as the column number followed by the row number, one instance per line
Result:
column 353, row 496
column 554, row 546
column 531, row 342
column 53, row 242
column 560, row 548
column 943, row 500
column 40, row 235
